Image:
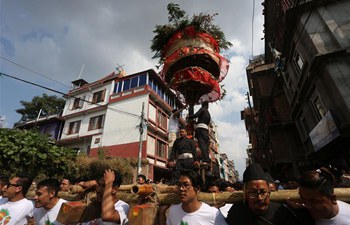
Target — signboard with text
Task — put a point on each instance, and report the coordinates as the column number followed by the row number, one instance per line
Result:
column 324, row 132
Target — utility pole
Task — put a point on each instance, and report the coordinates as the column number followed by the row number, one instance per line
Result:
column 139, row 168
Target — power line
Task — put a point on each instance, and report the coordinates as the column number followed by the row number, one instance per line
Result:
column 40, row 74
column 64, row 94
column 28, row 82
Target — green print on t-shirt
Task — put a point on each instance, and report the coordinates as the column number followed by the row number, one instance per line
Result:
column 48, row 222
column 4, row 217
column 183, row 223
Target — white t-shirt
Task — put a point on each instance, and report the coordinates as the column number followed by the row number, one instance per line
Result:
column 173, row 124
column 205, row 215
column 123, row 210
column 342, row 218
column 224, row 210
column 15, row 213
column 48, row 217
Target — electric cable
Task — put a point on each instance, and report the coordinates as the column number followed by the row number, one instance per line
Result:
column 64, row 94
column 40, row 74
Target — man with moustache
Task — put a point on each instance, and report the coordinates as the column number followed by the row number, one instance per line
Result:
column 257, row 209
column 184, row 153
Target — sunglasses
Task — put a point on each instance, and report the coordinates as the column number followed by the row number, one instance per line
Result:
column 14, row 185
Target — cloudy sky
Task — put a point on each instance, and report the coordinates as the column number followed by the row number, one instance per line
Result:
column 56, row 38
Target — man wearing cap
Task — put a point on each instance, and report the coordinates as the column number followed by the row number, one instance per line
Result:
column 257, row 208
column 202, row 131
column 185, row 153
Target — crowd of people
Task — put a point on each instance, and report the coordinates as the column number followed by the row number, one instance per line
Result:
column 44, row 207
column 318, row 203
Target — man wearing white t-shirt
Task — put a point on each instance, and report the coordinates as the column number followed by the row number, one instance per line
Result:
column 317, row 195
column 15, row 209
column 173, row 128
column 3, row 181
column 190, row 211
column 113, row 210
column 47, row 204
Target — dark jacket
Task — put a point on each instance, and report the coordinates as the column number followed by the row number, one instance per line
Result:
column 183, row 145
column 276, row 214
column 203, row 116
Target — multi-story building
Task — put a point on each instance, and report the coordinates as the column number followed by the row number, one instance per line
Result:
column 273, row 135
column 50, row 125
column 214, row 151
column 106, row 116
column 307, row 69
column 227, row 169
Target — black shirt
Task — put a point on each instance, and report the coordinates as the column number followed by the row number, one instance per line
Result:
column 276, row 214
column 203, row 116
column 183, row 145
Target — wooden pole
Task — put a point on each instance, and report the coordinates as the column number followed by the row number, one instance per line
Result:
column 342, row 194
column 168, row 195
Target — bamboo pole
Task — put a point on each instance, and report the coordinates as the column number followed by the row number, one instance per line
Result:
column 147, row 189
column 342, row 194
column 168, row 195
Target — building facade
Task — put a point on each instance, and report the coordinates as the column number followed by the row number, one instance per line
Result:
column 50, row 125
column 106, row 116
column 307, row 47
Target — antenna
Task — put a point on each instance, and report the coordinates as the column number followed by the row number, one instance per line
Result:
column 119, row 67
column 81, row 71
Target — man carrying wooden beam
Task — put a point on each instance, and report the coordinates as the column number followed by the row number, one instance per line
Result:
column 258, row 208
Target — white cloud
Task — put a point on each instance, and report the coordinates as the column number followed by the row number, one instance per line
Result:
column 57, row 38
column 233, row 141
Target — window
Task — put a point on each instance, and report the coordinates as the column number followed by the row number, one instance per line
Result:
column 150, row 83
column 120, row 86
column 143, row 79
column 151, row 145
column 154, row 85
column 78, row 103
column 160, row 149
column 162, row 119
column 95, row 122
column 318, row 108
column 98, row 96
column 126, row 85
column 298, row 61
column 152, row 112
column 49, row 131
column 117, row 87
column 74, row 127
column 134, row 82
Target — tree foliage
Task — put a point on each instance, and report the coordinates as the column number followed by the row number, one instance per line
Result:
column 48, row 104
column 28, row 152
column 178, row 20
column 93, row 168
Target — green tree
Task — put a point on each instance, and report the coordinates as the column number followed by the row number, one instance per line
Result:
column 28, row 152
column 48, row 104
column 178, row 20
